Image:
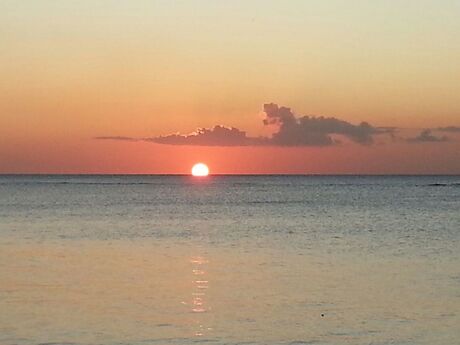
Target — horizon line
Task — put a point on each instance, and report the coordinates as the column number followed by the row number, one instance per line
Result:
column 227, row 174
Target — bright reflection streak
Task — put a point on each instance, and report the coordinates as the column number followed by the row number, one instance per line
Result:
column 199, row 305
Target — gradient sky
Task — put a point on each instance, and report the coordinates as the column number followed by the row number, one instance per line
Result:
column 75, row 70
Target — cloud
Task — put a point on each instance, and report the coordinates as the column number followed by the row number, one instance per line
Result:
column 448, row 129
column 217, row 136
column 121, row 138
column 315, row 131
column 426, row 136
column 290, row 130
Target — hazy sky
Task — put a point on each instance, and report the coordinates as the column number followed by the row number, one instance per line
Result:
column 72, row 71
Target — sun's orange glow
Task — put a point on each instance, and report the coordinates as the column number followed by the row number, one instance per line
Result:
column 200, row 169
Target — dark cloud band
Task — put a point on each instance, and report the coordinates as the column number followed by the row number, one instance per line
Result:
column 290, row 130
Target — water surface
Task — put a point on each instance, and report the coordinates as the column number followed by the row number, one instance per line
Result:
column 229, row 260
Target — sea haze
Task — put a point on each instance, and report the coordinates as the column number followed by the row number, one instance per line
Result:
column 145, row 259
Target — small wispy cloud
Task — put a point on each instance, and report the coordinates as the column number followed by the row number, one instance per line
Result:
column 451, row 129
column 121, row 138
column 427, row 136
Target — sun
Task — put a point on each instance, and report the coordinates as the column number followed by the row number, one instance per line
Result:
column 200, row 169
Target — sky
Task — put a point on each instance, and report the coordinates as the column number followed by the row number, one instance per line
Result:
column 248, row 87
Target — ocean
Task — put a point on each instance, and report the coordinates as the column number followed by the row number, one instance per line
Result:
column 139, row 259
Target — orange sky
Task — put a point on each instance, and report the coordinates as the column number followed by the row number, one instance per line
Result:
column 72, row 71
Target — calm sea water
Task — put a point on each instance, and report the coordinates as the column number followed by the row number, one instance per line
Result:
column 229, row 260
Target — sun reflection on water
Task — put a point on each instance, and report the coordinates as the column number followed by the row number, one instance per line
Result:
column 199, row 303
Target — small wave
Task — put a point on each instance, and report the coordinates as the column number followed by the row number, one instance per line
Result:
column 275, row 202
column 455, row 184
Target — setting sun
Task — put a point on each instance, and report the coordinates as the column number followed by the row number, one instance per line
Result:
column 200, row 169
